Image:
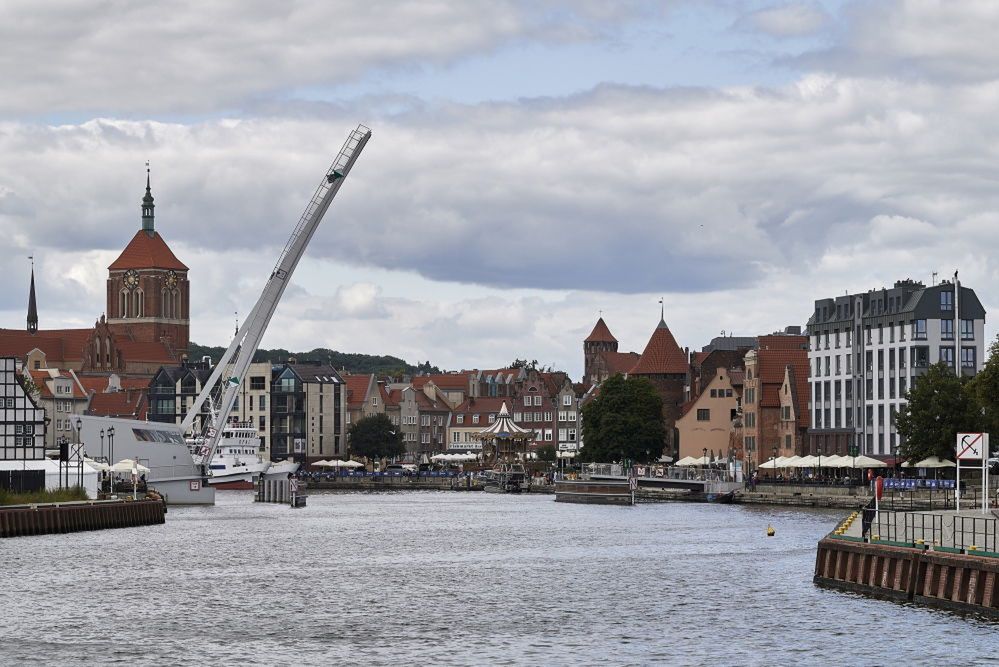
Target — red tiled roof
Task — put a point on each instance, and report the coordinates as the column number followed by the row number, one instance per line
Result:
column 57, row 344
column 770, row 370
column 620, row 362
column 97, row 384
column 662, row 355
column 699, row 357
column 126, row 404
column 357, row 388
column 445, row 381
column 736, row 376
column 134, row 383
column 484, row 405
column 600, row 333
column 147, row 251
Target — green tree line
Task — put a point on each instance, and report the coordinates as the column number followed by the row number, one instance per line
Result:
column 352, row 362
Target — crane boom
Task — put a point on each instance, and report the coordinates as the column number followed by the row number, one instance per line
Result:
column 235, row 362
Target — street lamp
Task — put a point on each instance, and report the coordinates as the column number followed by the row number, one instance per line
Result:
column 111, row 460
column 79, row 453
column 818, row 468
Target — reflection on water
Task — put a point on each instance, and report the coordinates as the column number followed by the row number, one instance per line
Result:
column 457, row 578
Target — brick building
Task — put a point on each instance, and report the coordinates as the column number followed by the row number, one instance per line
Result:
column 766, row 375
column 145, row 324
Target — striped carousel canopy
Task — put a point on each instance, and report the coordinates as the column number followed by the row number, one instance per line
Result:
column 504, row 429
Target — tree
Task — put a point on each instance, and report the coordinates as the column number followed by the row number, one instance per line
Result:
column 624, row 421
column 546, row 453
column 939, row 407
column 376, row 437
column 984, row 389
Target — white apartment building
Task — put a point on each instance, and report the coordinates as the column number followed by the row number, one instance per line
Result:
column 867, row 350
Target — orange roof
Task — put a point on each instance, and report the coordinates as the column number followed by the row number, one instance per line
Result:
column 147, row 251
column 57, row 344
column 600, row 333
column 126, row 404
column 95, row 384
column 357, row 388
column 662, row 355
column 620, row 362
column 770, row 370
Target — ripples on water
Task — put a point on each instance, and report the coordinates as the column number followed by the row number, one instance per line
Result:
column 457, row 578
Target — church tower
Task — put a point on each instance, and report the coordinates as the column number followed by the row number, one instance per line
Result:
column 148, row 298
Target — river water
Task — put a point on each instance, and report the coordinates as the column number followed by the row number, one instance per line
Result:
column 457, row 579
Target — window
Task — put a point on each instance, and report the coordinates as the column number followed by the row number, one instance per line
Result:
column 257, row 383
column 714, row 393
column 947, row 355
column 785, row 412
column 901, row 386
column 848, row 388
column 518, row 416
column 455, row 436
column 870, row 415
column 750, row 443
column 263, row 422
column 475, row 419
column 527, row 401
column 548, row 416
column 425, row 420
column 838, row 370
column 891, row 359
column 425, row 438
column 703, row 415
column 787, row 441
column 946, row 300
column 750, row 420
column 827, row 367
column 947, row 329
column 869, row 361
column 374, row 400
column 460, row 419
column 750, row 395
column 881, row 333
column 567, row 400
column 967, row 357
column 967, row 330
column 919, row 330
column 881, row 360
column 920, row 357
column 548, row 435
column 537, row 416
column 492, row 417
column 818, row 367
column 869, row 340
column 537, row 401
column 891, row 332
column 572, row 435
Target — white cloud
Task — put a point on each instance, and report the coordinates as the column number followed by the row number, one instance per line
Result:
column 935, row 39
column 190, row 56
column 793, row 19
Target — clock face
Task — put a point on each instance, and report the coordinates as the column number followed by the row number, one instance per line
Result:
column 171, row 280
column 131, row 279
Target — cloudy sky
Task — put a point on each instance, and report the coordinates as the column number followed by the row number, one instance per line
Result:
column 531, row 163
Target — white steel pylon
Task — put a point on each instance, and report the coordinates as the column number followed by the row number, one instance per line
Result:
column 233, row 365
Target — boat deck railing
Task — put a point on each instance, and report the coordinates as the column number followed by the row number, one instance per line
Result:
column 660, row 472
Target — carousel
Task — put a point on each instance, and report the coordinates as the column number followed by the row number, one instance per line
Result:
column 504, row 444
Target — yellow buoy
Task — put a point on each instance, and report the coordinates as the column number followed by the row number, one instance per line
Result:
column 770, row 531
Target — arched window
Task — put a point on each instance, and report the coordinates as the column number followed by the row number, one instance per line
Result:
column 163, row 303
column 96, row 356
column 123, row 304
column 139, row 307
column 107, row 352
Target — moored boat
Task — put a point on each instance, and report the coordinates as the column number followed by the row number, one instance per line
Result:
column 237, row 462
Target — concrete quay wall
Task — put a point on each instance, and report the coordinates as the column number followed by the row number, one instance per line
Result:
column 935, row 578
column 21, row 520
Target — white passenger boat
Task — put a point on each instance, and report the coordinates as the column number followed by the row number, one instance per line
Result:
column 237, row 462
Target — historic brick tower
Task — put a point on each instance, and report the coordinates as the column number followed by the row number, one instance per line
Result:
column 148, row 290
column 600, row 340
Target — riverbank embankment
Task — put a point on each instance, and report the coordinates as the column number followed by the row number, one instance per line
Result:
column 71, row 517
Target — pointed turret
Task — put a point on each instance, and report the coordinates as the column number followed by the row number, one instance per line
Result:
column 147, row 207
column 32, row 305
column 662, row 356
column 600, row 334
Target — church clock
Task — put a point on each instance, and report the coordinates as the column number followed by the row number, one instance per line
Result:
column 131, row 279
column 171, row 280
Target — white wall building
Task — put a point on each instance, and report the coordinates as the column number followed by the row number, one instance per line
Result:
column 22, row 421
column 867, row 350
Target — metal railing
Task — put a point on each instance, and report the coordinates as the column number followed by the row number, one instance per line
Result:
column 971, row 533
column 979, row 531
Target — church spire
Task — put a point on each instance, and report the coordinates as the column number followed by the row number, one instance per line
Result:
column 147, row 206
column 32, row 306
